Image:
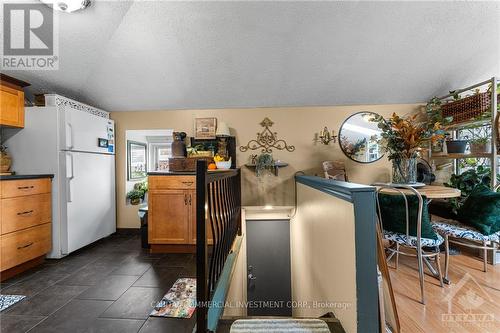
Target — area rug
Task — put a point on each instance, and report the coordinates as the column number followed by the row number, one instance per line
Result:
column 9, row 300
column 179, row 302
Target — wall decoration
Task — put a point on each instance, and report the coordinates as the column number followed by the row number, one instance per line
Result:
column 267, row 140
column 325, row 137
column 136, row 160
column 359, row 137
column 205, row 128
column 64, row 101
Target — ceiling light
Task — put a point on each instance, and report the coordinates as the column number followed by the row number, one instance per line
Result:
column 67, row 6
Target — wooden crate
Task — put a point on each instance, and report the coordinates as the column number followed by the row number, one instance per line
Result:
column 186, row 163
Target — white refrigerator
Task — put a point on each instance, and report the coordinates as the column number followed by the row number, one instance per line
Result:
column 75, row 142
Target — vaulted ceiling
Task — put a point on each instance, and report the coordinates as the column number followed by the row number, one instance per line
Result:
column 148, row 55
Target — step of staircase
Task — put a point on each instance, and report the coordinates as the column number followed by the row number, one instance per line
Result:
column 279, row 326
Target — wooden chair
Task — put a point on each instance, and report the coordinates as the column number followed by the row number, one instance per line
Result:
column 400, row 243
column 335, row 170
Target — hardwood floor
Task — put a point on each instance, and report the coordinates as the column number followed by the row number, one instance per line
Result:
column 471, row 303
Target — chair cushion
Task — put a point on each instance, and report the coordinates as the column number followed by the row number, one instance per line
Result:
column 442, row 208
column 393, row 211
column 460, row 230
column 481, row 210
column 402, row 239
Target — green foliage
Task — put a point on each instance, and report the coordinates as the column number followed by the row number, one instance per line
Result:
column 433, row 112
column 405, row 137
column 135, row 194
column 352, row 148
column 139, row 191
column 467, row 182
column 142, row 186
column 264, row 162
column 479, row 141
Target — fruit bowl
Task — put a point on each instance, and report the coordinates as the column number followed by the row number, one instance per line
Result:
column 223, row 165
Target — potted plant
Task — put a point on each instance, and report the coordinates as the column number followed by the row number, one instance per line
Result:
column 263, row 162
column 142, row 186
column 456, row 146
column 135, row 196
column 480, row 145
column 403, row 139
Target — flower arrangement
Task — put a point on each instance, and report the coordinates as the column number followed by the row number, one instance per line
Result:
column 405, row 137
column 352, row 148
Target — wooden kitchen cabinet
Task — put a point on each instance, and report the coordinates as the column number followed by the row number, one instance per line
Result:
column 25, row 222
column 11, row 101
column 172, row 213
column 168, row 217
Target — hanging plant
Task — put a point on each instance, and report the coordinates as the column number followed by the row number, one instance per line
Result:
column 264, row 162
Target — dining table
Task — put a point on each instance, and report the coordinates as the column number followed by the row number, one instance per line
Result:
column 434, row 192
column 439, row 192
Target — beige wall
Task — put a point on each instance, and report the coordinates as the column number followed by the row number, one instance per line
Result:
column 295, row 125
column 323, row 257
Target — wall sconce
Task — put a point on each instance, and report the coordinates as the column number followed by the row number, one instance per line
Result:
column 325, row 137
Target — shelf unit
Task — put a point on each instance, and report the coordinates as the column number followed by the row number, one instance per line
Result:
column 493, row 156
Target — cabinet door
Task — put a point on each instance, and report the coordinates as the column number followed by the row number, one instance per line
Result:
column 11, row 107
column 192, row 219
column 168, row 217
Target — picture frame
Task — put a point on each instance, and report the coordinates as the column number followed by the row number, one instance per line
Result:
column 137, row 167
column 205, row 128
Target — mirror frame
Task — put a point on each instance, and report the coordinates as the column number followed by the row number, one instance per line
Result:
column 340, row 138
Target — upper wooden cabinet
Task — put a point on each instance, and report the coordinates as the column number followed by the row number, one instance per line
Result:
column 11, row 101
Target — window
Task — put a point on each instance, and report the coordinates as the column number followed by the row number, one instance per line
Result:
column 159, row 154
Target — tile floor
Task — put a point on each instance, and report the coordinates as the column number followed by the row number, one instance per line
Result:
column 110, row 286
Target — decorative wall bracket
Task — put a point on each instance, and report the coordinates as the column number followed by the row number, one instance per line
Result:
column 267, row 140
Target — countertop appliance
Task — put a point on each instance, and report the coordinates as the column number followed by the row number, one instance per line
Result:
column 75, row 142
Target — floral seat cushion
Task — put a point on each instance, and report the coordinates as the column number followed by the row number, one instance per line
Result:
column 402, row 239
column 459, row 230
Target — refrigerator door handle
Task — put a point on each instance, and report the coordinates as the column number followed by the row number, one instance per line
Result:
column 71, row 137
column 68, row 188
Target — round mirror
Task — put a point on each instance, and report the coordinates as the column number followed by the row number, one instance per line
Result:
column 359, row 138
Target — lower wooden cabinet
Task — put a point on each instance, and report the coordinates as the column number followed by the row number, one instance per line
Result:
column 24, row 245
column 168, row 217
column 172, row 211
column 24, row 212
column 25, row 223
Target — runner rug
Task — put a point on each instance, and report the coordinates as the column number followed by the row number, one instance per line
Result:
column 179, row 302
column 9, row 300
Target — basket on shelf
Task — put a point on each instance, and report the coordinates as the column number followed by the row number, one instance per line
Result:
column 467, row 108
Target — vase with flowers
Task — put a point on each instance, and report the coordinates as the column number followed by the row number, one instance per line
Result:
column 402, row 139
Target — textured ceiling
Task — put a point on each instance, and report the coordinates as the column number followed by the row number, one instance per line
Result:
column 164, row 55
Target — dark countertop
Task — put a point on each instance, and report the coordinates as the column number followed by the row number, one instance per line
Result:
column 12, row 177
column 172, row 173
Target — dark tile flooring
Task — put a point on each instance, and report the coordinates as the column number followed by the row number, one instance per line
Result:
column 110, row 286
